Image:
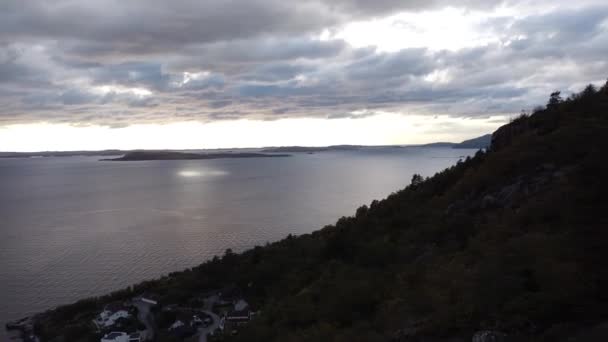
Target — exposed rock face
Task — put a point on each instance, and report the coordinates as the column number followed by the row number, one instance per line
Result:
column 512, row 193
column 489, row 336
column 488, row 201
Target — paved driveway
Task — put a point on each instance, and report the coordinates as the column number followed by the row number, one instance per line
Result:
column 203, row 331
column 145, row 317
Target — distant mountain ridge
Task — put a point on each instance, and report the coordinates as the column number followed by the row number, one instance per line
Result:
column 304, row 149
column 481, row 142
column 475, row 143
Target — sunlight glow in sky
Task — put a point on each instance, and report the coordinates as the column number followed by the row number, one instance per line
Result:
column 384, row 129
column 446, row 29
column 82, row 75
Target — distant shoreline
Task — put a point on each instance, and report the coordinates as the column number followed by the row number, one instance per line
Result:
column 481, row 142
column 144, row 156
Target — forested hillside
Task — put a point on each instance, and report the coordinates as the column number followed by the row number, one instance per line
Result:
column 513, row 240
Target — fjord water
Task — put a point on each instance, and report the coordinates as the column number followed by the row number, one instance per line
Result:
column 75, row 227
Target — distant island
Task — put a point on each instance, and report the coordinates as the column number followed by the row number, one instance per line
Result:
column 275, row 151
column 304, row 149
column 61, row 154
column 475, row 143
column 170, row 155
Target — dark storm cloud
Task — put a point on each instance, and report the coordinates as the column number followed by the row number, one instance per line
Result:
column 132, row 74
column 564, row 27
column 241, row 56
column 358, row 9
column 408, row 62
column 120, row 62
column 75, row 97
column 15, row 72
column 271, row 72
column 175, row 23
column 155, row 24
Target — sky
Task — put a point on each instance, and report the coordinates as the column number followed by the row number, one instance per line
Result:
column 101, row 74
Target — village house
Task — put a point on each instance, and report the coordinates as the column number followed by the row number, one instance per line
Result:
column 229, row 294
column 148, row 301
column 181, row 329
column 118, row 336
column 240, row 312
column 176, row 325
column 135, row 337
column 239, row 316
column 240, row 305
column 110, row 315
column 196, row 321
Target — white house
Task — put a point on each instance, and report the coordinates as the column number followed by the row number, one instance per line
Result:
column 118, row 336
column 177, row 324
column 240, row 305
column 239, row 316
column 196, row 320
column 115, row 337
column 149, row 301
column 108, row 318
column 135, row 337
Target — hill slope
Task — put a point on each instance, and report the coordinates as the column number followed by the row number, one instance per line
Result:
column 483, row 141
column 513, row 240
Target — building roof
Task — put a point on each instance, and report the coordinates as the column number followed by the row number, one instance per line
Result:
column 108, row 318
column 230, row 293
column 176, row 325
column 114, row 334
column 241, row 305
column 113, row 307
column 238, row 315
column 149, row 301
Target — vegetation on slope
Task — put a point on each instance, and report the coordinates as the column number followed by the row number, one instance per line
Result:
column 483, row 141
column 514, row 239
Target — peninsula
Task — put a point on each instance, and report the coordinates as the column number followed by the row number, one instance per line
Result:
column 170, row 155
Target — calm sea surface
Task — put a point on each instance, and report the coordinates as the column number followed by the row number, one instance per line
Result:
column 74, row 227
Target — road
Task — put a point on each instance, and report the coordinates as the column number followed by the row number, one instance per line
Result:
column 203, row 331
column 145, row 317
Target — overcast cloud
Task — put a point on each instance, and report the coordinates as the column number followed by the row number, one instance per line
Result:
column 118, row 63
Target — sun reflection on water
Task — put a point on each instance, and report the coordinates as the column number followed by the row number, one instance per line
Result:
column 188, row 173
